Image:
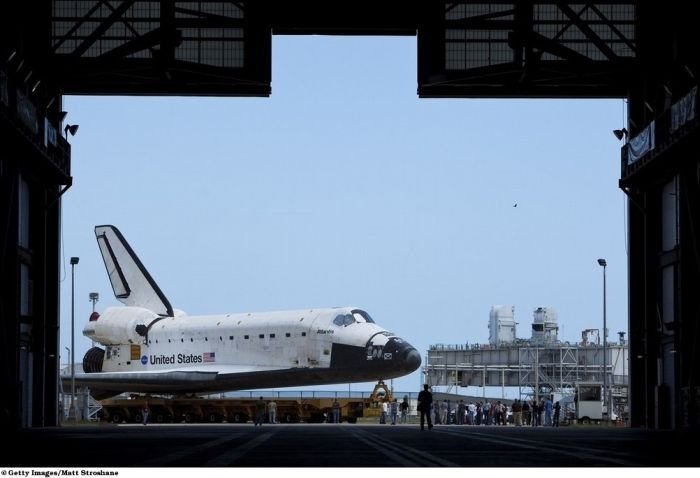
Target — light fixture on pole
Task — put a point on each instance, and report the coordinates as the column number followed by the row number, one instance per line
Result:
column 620, row 133
column 603, row 263
column 94, row 297
column 72, row 129
column 73, row 262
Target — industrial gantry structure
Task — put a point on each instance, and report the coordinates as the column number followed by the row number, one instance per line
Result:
column 642, row 51
column 538, row 366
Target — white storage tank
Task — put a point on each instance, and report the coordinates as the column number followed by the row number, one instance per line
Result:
column 545, row 328
column 502, row 325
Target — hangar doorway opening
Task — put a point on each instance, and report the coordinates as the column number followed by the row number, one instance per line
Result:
column 445, row 206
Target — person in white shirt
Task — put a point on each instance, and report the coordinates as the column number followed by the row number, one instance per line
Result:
column 272, row 412
column 385, row 410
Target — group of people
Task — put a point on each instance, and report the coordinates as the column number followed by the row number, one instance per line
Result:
column 531, row 413
column 261, row 407
column 271, row 408
column 523, row 412
column 392, row 409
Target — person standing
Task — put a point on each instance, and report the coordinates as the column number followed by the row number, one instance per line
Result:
column 517, row 413
column 526, row 412
column 535, row 414
column 259, row 411
column 404, row 410
column 145, row 415
column 548, row 412
column 471, row 413
column 436, row 412
column 557, row 411
column 272, row 411
column 385, row 411
column 336, row 411
column 499, row 413
column 425, row 400
column 394, row 410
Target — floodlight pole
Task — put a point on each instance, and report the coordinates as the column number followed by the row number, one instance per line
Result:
column 73, row 262
column 604, row 264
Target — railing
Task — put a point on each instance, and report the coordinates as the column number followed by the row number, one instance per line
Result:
column 93, row 408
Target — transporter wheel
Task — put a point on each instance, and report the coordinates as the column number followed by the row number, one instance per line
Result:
column 116, row 418
column 188, row 418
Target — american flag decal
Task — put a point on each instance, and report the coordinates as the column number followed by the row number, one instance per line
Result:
column 208, row 357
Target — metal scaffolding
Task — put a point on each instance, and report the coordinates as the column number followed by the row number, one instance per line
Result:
column 535, row 370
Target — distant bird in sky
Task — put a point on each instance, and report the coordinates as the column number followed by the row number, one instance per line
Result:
column 515, row 205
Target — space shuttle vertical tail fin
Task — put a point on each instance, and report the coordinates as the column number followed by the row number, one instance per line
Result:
column 131, row 282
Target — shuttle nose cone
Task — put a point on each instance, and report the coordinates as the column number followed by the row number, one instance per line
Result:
column 410, row 359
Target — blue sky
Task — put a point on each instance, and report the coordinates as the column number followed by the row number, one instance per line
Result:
column 344, row 188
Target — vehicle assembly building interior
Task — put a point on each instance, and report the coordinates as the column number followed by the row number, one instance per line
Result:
column 645, row 52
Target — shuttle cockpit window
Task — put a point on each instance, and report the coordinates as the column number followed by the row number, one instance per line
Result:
column 355, row 317
column 343, row 320
column 362, row 316
column 391, row 335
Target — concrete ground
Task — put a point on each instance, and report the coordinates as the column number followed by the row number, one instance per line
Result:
column 347, row 445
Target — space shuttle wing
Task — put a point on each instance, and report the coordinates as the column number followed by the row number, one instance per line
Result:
column 131, row 282
column 107, row 384
column 184, row 380
column 233, row 370
column 174, row 377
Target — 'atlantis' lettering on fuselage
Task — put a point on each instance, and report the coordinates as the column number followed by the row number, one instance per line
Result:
column 170, row 359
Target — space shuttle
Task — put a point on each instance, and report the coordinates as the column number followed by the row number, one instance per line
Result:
column 147, row 346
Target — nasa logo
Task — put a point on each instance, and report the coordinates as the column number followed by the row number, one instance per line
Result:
column 144, row 360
